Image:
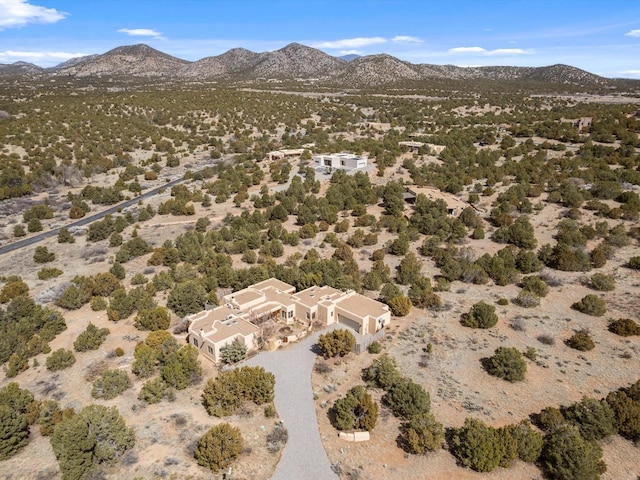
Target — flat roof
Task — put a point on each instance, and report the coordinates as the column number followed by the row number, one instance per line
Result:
column 274, row 283
column 313, row 295
column 245, row 296
column 362, row 306
column 227, row 328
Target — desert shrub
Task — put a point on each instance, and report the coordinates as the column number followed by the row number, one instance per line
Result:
column 481, row 315
column 154, row 391
column 34, row 225
column 64, row 236
column 400, row 305
column 119, row 351
column 546, row 339
column 43, row 255
column 19, row 231
column 624, row 327
column 157, row 318
column 382, row 373
column 591, row 305
column 374, row 347
column 233, row 352
column 527, row 299
column 60, row 359
column 356, row 410
column 503, row 302
column 96, row 435
column 49, row 272
column 219, row 447
column 110, row 384
column 18, row 362
column 75, row 296
column 522, row 442
column 568, row 456
column 338, row 342
column 224, row 394
column 407, row 398
column 389, row 290
column 180, row 367
column 50, row 415
column 90, row 339
column 581, row 341
column 507, row 363
column 602, row 282
column 549, row 418
column 139, row 279
column 422, row 433
column 535, row 284
column 14, row 287
column 187, row 298
column 98, row 304
column 277, row 438
column 14, row 433
column 594, row 418
column 626, row 411
column 477, row 446
column 634, row 262
column 118, row 270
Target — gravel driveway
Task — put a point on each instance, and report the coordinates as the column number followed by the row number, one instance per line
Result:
column 304, row 456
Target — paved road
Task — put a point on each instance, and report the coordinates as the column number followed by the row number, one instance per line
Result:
column 86, row 220
column 304, row 456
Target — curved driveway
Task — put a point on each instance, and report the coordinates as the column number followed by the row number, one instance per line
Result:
column 304, row 455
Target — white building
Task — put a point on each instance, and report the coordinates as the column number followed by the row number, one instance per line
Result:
column 345, row 161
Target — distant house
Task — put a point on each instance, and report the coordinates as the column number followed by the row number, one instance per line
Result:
column 411, row 146
column 287, row 153
column 345, row 161
column 210, row 330
column 584, row 123
column 382, row 126
column 455, row 206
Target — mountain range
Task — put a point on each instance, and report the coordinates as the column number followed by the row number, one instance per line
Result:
column 294, row 61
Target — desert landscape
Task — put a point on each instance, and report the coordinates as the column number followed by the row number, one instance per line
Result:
column 496, row 219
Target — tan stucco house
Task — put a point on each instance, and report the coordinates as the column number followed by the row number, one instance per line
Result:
column 211, row 330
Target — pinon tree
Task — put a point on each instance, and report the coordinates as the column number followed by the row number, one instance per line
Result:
column 219, row 447
column 336, row 343
column 356, row 410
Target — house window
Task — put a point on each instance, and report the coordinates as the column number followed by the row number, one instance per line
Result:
column 313, row 316
column 283, row 313
column 291, row 314
column 307, row 315
column 332, row 313
column 210, row 349
column 195, row 342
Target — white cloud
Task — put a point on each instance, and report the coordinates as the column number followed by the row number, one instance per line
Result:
column 18, row 13
column 633, row 33
column 46, row 59
column 351, row 42
column 490, row 53
column 507, row 51
column 467, row 50
column 141, row 32
column 406, row 39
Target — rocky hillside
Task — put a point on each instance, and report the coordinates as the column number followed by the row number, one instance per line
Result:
column 297, row 61
column 139, row 60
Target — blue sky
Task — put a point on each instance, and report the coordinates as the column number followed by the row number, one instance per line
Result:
column 600, row 36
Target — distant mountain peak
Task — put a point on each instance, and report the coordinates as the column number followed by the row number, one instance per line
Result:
column 296, row 61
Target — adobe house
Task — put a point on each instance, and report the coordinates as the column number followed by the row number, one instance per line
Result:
column 210, row 330
column 455, row 206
